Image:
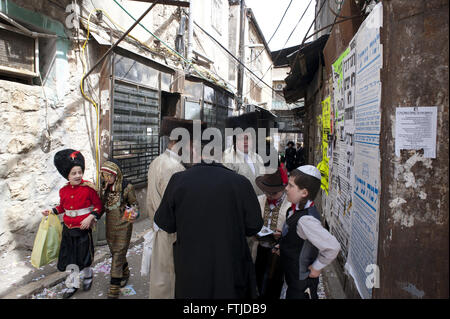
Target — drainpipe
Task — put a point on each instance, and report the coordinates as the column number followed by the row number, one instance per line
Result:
column 190, row 32
column 240, row 79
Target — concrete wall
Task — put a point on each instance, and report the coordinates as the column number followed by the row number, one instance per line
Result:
column 414, row 241
column 413, row 215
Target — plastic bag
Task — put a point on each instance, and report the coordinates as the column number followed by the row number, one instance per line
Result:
column 47, row 241
column 147, row 252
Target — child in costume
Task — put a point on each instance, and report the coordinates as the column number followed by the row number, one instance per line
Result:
column 274, row 204
column 121, row 209
column 306, row 247
column 81, row 206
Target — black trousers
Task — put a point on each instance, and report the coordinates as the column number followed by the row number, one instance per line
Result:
column 269, row 274
column 296, row 288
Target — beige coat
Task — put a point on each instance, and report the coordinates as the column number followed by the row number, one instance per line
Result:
column 285, row 205
column 236, row 162
column 162, row 271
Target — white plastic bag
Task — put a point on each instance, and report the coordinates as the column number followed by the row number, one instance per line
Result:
column 147, row 252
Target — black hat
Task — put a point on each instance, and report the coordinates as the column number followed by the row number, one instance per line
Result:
column 243, row 121
column 66, row 159
column 170, row 123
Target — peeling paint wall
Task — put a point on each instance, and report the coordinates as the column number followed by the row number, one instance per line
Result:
column 413, row 233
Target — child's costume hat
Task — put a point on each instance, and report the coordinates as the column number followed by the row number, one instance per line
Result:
column 310, row 170
column 273, row 183
column 66, row 159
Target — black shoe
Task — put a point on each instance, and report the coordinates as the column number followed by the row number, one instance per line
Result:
column 125, row 277
column 87, row 283
column 124, row 282
column 69, row 293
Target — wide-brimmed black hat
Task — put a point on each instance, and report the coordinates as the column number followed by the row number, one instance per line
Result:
column 170, row 123
column 66, row 159
column 243, row 121
column 272, row 183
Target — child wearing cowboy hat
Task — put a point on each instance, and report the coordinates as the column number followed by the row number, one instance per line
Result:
column 274, row 204
column 306, row 247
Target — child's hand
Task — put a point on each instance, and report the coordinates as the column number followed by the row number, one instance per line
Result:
column 277, row 234
column 86, row 223
column 276, row 250
column 46, row 212
column 313, row 272
column 133, row 216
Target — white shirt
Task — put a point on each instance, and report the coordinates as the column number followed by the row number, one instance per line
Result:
column 310, row 228
column 248, row 160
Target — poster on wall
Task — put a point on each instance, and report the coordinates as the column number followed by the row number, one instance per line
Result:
column 341, row 165
column 323, row 166
column 362, row 256
column 415, row 129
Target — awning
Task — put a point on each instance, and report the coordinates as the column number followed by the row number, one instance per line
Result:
column 304, row 63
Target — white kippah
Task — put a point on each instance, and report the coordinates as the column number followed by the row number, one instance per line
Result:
column 310, row 170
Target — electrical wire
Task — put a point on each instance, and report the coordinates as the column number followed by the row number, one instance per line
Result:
column 235, row 58
column 279, row 52
column 304, row 38
column 282, row 18
column 84, row 72
column 92, row 101
column 171, row 50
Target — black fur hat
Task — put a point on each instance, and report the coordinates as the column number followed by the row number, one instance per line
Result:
column 66, row 159
column 243, row 121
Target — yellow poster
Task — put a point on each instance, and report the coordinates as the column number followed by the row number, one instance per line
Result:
column 326, row 115
column 323, row 166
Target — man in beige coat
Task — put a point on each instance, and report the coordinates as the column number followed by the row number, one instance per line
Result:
column 162, row 273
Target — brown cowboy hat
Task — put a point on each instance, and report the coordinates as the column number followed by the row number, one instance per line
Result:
column 271, row 183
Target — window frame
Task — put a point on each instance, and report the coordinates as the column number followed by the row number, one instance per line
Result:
column 153, row 147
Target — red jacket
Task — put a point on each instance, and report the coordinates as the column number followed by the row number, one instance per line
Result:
column 78, row 197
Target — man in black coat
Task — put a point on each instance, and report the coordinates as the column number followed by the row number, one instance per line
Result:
column 212, row 209
column 290, row 153
column 300, row 155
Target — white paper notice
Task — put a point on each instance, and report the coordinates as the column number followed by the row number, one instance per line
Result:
column 415, row 128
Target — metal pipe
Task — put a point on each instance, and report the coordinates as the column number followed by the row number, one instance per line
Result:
column 190, row 33
column 240, row 79
column 119, row 40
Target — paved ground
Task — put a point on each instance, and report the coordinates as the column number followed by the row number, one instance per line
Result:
column 137, row 287
column 48, row 283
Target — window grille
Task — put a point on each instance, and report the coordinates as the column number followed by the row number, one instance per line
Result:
column 135, row 129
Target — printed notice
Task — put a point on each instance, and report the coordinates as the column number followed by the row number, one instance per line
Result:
column 415, row 128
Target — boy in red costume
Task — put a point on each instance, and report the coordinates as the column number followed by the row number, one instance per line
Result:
column 81, row 206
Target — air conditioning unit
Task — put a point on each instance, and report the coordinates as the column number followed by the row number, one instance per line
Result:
column 279, row 87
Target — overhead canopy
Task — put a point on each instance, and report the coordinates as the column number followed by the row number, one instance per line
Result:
column 304, row 63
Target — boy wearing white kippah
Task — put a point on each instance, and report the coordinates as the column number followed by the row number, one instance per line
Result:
column 306, row 247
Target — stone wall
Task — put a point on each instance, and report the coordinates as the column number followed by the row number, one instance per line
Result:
column 29, row 182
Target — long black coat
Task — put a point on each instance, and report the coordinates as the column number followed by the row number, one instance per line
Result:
column 290, row 153
column 212, row 209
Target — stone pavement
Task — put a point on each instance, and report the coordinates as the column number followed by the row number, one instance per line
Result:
column 48, row 283
column 23, row 281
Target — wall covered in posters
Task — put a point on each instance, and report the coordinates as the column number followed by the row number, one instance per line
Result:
column 352, row 203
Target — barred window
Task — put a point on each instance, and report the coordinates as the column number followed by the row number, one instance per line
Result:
column 135, row 118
